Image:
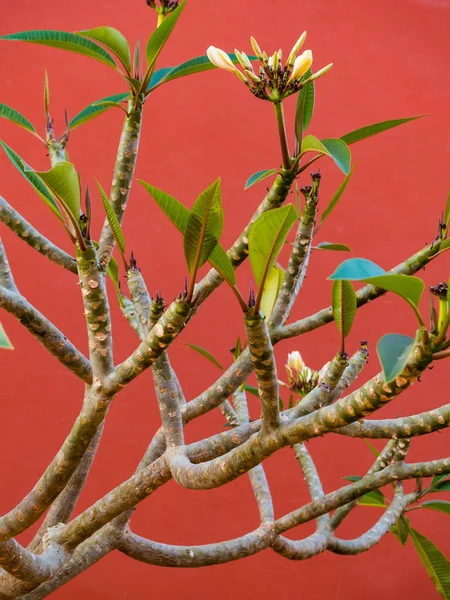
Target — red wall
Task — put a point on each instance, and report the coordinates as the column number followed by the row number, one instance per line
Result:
column 391, row 60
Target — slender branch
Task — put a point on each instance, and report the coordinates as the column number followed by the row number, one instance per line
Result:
column 167, row 390
column 298, row 260
column 31, row 236
column 279, row 113
column 355, row 365
column 123, row 174
column 47, row 334
column 6, row 277
column 139, row 295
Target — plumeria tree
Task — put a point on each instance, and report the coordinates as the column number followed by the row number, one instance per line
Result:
column 294, row 406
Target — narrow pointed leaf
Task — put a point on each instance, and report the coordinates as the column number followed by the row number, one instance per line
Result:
column 305, row 107
column 33, row 179
column 190, row 67
column 442, row 486
column 137, row 57
column 113, row 273
column 339, row 152
column 112, row 219
column 435, row 563
column 439, row 505
column 331, row 246
column 206, row 355
column 96, row 108
column 13, row 115
column 401, row 530
column 65, row 41
column 272, row 287
column 113, row 40
column 204, row 227
column 251, row 389
column 179, row 215
column 4, row 340
column 369, row 130
column 437, row 478
column 160, row 36
column 393, row 350
column 110, row 104
column 64, row 183
column 259, row 176
column 372, row 448
column 266, row 238
column 373, row 498
column 334, row 200
column 343, row 306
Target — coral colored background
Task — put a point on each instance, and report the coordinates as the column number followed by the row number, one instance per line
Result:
column 391, row 60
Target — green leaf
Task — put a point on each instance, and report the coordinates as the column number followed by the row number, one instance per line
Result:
column 435, row 563
column 305, row 107
column 393, row 350
column 334, row 200
column 357, row 269
column 266, row 238
column 160, row 36
column 372, row 448
column 194, row 65
column 339, row 152
column 65, row 41
column 251, row 389
column 447, row 213
column 13, row 115
column 272, row 288
column 439, row 505
column 373, row 498
column 437, row 478
column 110, row 104
column 4, row 340
column 206, row 355
column 331, row 246
column 401, row 530
column 95, row 109
column 113, row 40
column 442, row 486
column 369, row 130
column 360, row 269
column 112, row 219
column 204, row 227
column 343, row 306
column 33, row 179
column 113, row 272
column 259, row 176
column 64, row 183
column 312, row 144
column 179, row 215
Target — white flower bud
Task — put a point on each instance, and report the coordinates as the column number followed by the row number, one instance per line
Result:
column 220, row 59
column 301, row 65
column 319, row 73
column 295, row 361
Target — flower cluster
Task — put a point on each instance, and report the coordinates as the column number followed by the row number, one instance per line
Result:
column 302, row 379
column 165, row 6
column 274, row 81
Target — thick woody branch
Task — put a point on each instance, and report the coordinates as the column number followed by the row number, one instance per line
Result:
column 47, row 334
column 96, row 311
column 167, row 391
column 323, row 394
column 60, row 470
column 158, row 339
column 165, row 555
column 298, row 261
column 366, row 294
column 123, row 174
column 139, row 295
column 355, row 365
column 263, row 361
column 29, row 567
column 375, row 533
column 6, row 277
column 31, row 236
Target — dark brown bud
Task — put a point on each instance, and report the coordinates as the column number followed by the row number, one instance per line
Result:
column 440, row 290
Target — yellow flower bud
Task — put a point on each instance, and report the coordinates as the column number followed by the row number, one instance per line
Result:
column 298, row 44
column 319, row 73
column 220, row 59
column 295, row 361
column 256, row 48
column 301, row 65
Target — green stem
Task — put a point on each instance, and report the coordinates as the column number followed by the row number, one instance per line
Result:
column 282, row 133
column 442, row 331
